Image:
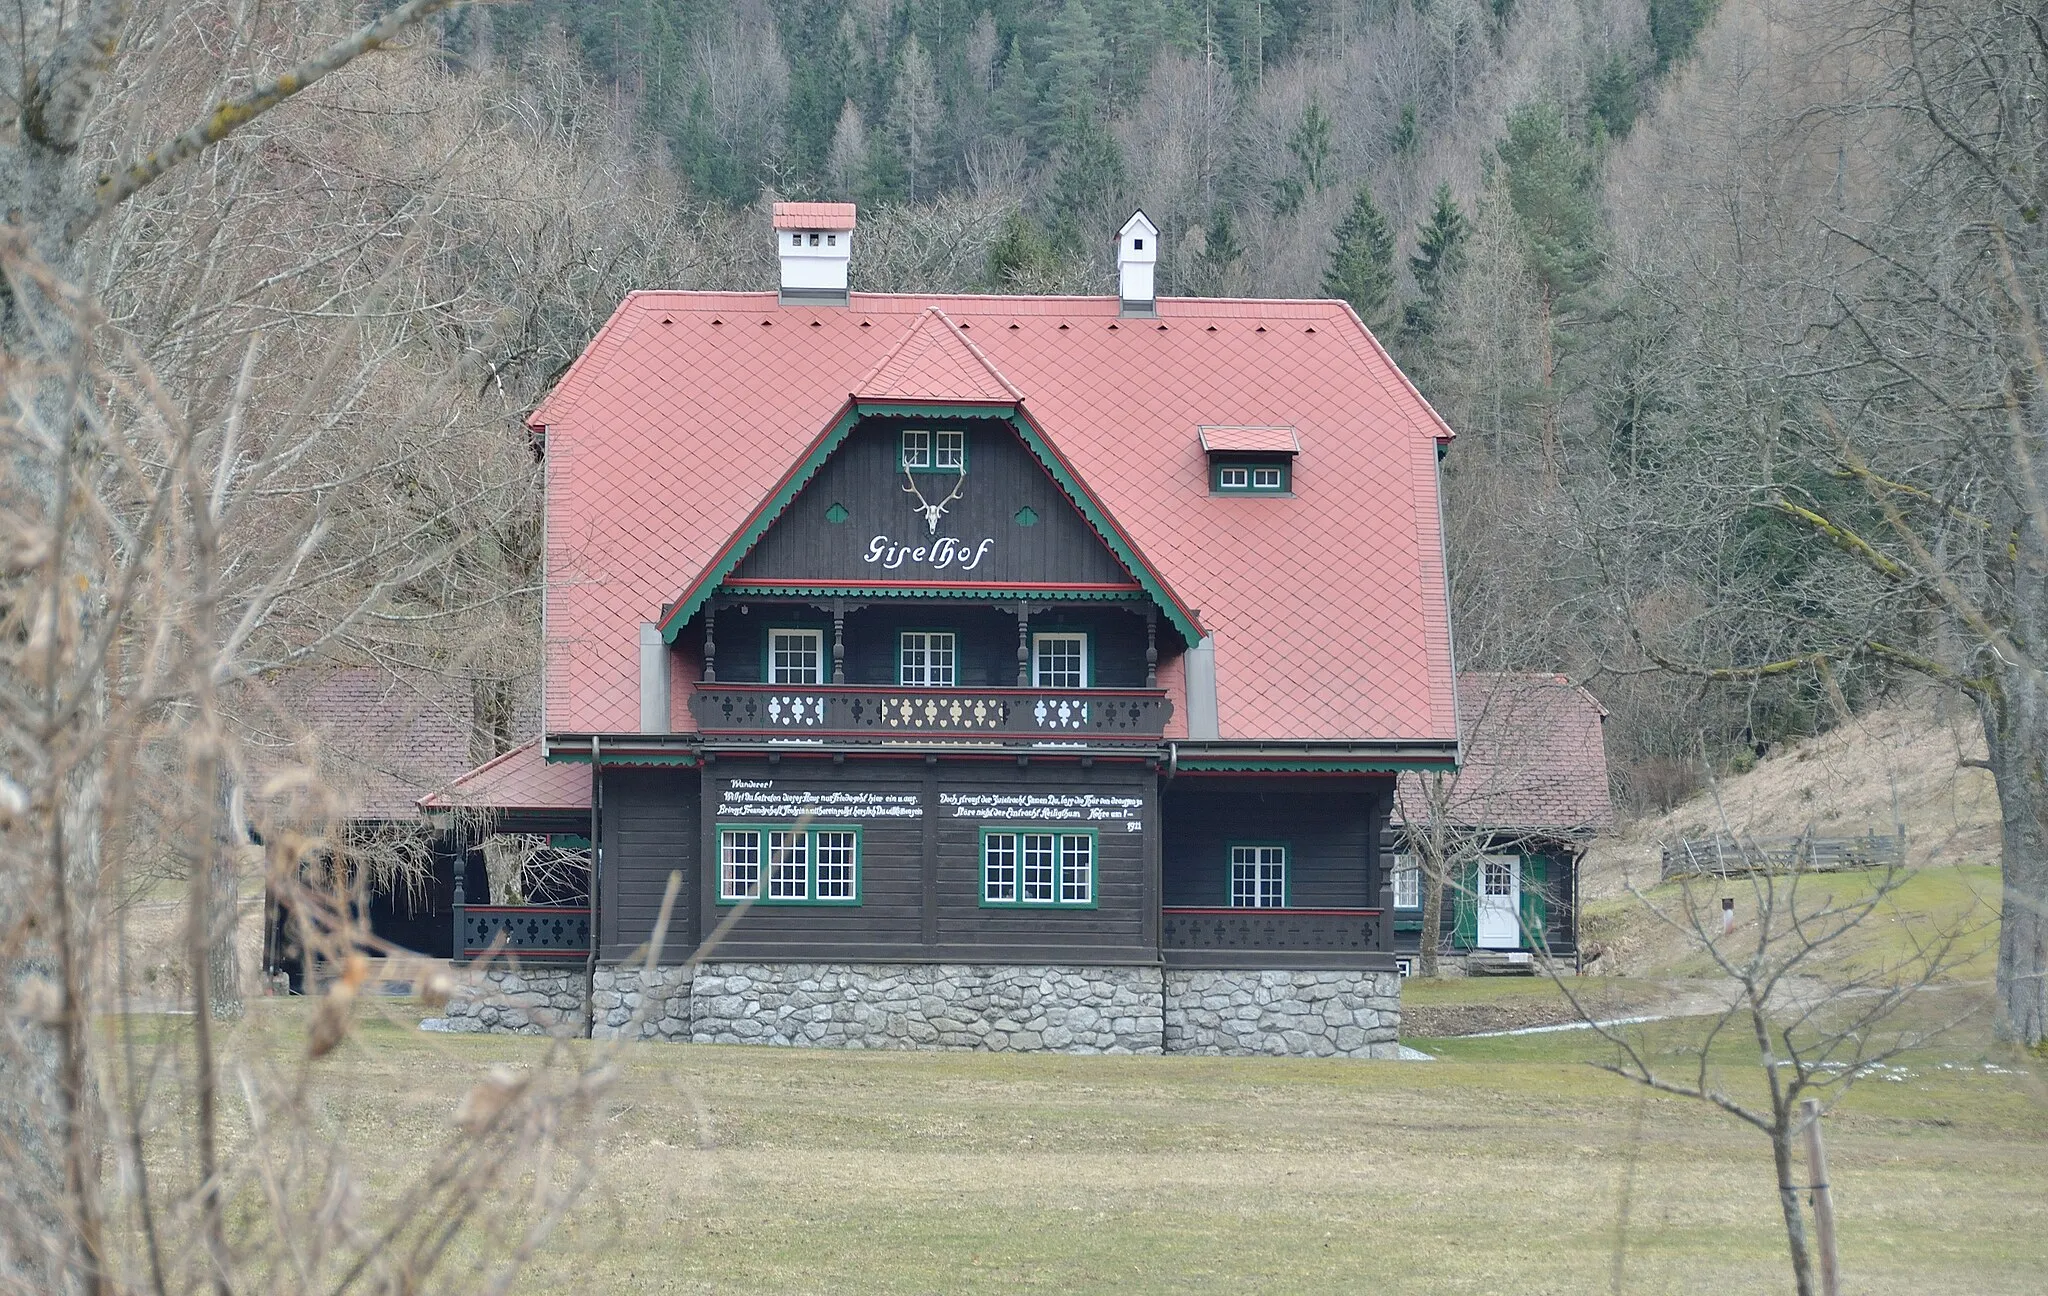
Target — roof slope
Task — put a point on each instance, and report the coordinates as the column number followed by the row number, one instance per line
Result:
column 1535, row 758
column 382, row 737
column 521, row 779
column 1328, row 608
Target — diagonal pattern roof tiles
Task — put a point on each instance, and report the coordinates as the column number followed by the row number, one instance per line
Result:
column 521, row 779
column 934, row 362
column 1255, row 440
column 1535, row 758
column 1328, row 608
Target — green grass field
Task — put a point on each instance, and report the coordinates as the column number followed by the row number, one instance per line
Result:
column 1498, row 1169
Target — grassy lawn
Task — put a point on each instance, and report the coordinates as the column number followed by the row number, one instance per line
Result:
column 1496, row 1169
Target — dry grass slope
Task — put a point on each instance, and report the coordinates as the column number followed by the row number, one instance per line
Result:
column 1496, row 1170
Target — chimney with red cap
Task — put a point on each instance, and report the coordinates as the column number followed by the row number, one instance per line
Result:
column 814, row 241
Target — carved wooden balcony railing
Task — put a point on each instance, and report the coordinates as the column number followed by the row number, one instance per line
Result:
column 837, row 710
column 1288, row 937
column 549, row 933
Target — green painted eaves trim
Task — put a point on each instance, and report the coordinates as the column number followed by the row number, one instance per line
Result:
column 924, row 592
column 679, row 615
column 1230, row 764
column 623, row 758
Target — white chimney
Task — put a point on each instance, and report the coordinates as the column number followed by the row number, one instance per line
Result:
column 1137, row 252
column 814, row 241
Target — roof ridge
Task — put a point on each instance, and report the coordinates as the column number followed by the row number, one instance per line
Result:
column 475, row 771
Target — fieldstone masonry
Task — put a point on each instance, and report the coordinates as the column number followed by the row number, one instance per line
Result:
column 1303, row 1014
column 952, row 1005
column 929, row 1005
column 626, row 995
column 518, row 1001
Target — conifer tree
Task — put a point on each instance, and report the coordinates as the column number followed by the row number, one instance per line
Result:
column 1077, row 56
column 1362, row 267
column 914, row 113
column 1439, row 254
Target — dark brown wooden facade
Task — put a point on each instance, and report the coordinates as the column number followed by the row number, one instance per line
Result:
column 919, row 777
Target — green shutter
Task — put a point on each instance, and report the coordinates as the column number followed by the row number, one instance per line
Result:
column 1535, row 905
column 1464, row 882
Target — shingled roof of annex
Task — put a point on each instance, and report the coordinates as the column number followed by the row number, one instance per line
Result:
column 689, row 410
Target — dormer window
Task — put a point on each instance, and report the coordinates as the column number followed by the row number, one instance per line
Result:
column 1251, row 478
column 1251, row 460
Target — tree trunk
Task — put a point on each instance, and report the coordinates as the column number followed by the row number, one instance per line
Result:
column 1432, row 911
column 2016, row 732
column 1788, row 1203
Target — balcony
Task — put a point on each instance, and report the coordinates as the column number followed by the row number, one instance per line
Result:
column 822, row 712
column 1275, row 938
column 542, row 933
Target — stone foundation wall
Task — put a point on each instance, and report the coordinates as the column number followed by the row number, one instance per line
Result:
column 626, row 994
column 1302, row 1014
column 527, row 1001
column 950, row 1005
column 939, row 1005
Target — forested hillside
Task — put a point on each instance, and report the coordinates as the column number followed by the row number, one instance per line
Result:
column 1438, row 164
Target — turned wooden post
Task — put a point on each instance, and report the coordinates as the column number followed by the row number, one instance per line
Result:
column 1023, row 645
column 460, row 900
column 711, row 642
column 1151, row 647
column 838, row 641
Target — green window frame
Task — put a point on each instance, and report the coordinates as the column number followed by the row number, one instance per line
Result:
column 1040, row 867
column 1050, row 668
column 791, row 665
column 1251, row 476
column 1258, row 875
column 790, row 864
column 924, row 661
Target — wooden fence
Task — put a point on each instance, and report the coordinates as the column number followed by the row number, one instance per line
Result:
column 1805, row 853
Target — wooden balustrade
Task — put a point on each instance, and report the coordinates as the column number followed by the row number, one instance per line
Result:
column 840, row 711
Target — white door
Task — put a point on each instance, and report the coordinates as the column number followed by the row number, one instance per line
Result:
column 1500, row 902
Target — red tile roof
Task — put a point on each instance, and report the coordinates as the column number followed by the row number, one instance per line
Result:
column 1328, row 608
column 935, row 361
column 381, row 737
column 1252, row 440
column 813, row 216
column 518, row 780
column 1535, row 758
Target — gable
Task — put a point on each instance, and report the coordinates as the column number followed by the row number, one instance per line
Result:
column 1004, row 520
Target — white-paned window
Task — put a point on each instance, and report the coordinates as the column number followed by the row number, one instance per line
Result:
column 999, row 868
column 789, row 866
column 739, row 866
column 1077, row 869
column 1035, row 860
column 1234, row 478
column 1059, row 660
column 1037, row 868
column 1258, row 877
column 917, row 448
column 837, row 852
column 796, row 656
column 928, row 658
column 949, row 448
column 1407, row 882
column 792, row 865
column 1265, row 479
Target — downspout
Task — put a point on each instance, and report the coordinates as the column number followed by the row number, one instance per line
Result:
column 596, row 918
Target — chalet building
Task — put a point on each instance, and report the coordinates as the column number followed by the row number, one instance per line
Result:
column 1511, row 825
column 1002, row 672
